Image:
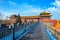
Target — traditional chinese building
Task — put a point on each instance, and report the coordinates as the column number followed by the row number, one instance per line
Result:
column 44, row 17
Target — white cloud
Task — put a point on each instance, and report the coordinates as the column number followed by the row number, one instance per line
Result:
column 32, row 11
column 28, row 10
column 55, row 10
column 25, row 9
column 13, row 4
column 56, row 3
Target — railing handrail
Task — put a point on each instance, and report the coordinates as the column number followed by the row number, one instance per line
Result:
column 58, row 30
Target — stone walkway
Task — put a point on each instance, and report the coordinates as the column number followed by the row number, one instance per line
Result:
column 34, row 34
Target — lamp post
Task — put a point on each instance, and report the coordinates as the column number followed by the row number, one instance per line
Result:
column 13, row 31
column 25, row 24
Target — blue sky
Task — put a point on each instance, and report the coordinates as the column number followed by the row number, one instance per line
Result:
column 30, row 7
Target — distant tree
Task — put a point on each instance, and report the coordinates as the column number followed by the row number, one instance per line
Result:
column 19, row 19
column 0, row 16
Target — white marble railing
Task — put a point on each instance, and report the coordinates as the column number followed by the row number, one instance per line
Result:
column 55, row 32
